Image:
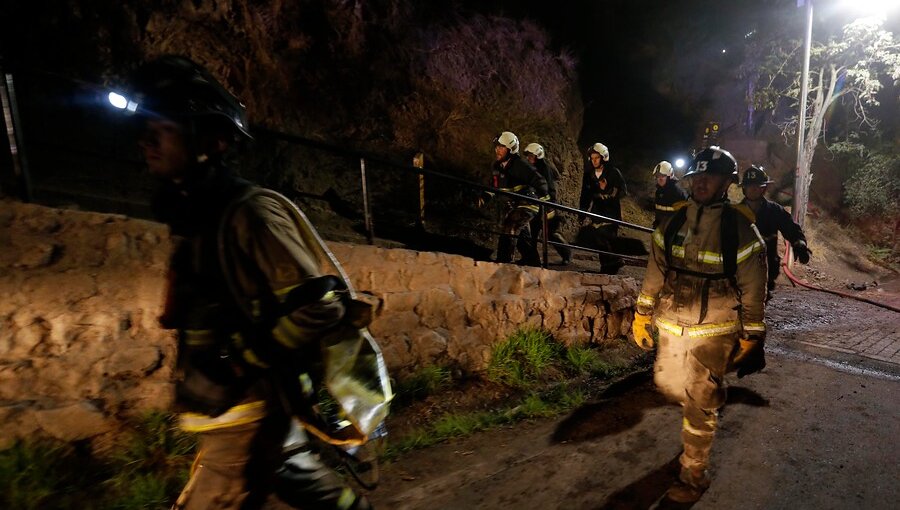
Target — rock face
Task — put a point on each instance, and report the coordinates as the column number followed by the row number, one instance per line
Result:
column 80, row 346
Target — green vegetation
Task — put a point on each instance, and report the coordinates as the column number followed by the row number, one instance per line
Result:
column 530, row 356
column 552, row 379
column 451, row 425
column 422, row 383
column 146, row 473
column 523, row 358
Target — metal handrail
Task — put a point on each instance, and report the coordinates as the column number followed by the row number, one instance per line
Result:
column 421, row 171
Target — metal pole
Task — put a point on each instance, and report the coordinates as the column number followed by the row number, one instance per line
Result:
column 370, row 234
column 14, row 135
column 801, row 178
column 419, row 162
column 544, row 229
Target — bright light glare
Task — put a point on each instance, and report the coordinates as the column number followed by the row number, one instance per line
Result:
column 117, row 100
column 679, row 163
column 872, row 7
column 724, row 50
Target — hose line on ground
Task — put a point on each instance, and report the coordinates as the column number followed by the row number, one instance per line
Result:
column 797, row 281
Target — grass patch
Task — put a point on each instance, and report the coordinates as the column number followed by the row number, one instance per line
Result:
column 147, row 472
column 559, row 399
column 523, row 358
column 424, row 382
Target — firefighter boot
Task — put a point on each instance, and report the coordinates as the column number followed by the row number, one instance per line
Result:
column 689, row 487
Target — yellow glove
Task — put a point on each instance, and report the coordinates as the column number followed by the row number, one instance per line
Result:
column 640, row 327
column 751, row 357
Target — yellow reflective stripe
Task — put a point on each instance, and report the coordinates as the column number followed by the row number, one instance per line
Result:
column 551, row 214
column 514, row 189
column 702, row 330
column 251, row 357
column 645, row 300
column 664, row 208
column 748, row 250
column 489, row 193
column 678, row 251
column 196, row 337
column 532, row 208
column 545, row 198
column 658, row 239
column 287, row 332
column 686, row 425
column 238, row 415
column 755, row 326
column 671, row 327
column 346, row 499
column 709, row 257
column 715, row 329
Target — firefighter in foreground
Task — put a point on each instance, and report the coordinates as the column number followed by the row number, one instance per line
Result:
column 511, row 173
column 534, row 153
column 192, row 127
column 771, row 219
column 668, row 193
column 704, row 292
column 602, row 190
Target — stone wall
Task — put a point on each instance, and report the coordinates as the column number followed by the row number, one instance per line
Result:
column 80, row 347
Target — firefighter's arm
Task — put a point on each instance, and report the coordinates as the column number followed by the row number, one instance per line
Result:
column 792, row 231
column 653, row 282
column 529, row 174
column 751, row 278
column 269, row 239
column 584, row 202
column 620, row 189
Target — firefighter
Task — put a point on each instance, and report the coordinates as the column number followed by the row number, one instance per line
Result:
column 668, row 192
column 771, row 219
column 602, row 190
column 511, row 173
column 704, row 293
column 193, row 128
column 534, row 153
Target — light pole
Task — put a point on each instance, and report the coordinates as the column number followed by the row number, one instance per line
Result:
column 802, row 178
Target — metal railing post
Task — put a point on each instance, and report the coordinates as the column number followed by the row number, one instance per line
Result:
column 9, row 103
column 544, row 224
column 367, row 211
column 419, row 162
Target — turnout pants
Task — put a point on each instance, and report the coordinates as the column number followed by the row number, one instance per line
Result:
column 602, row 237
column 239, row 467
column 515, row 227
column 691, row 371
column 537, row 226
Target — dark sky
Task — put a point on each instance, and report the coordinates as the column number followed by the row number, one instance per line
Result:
column 649, row 69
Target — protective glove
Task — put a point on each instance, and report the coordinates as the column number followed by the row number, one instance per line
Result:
column 751, row 357
column 801, row 252
column 640, row 327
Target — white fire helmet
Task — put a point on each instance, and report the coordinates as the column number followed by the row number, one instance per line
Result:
column 663, row 168
column 536, row 149
column 508, row 140
column 600, row 149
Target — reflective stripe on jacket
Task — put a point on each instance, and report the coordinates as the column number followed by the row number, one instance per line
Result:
column 683, row 300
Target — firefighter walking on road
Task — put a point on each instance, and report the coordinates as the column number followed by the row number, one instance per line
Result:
column 513, row 174
column 230, row 249
column 668, row 193
column 704, row 293
column 771, row 218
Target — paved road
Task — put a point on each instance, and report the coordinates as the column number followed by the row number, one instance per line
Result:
column 819, row 428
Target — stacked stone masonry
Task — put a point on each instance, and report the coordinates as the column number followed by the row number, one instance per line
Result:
column 81, row 349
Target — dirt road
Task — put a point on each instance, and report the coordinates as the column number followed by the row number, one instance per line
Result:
column 818, row 428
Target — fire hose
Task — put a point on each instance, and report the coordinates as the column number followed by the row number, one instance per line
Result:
column 797, row 281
